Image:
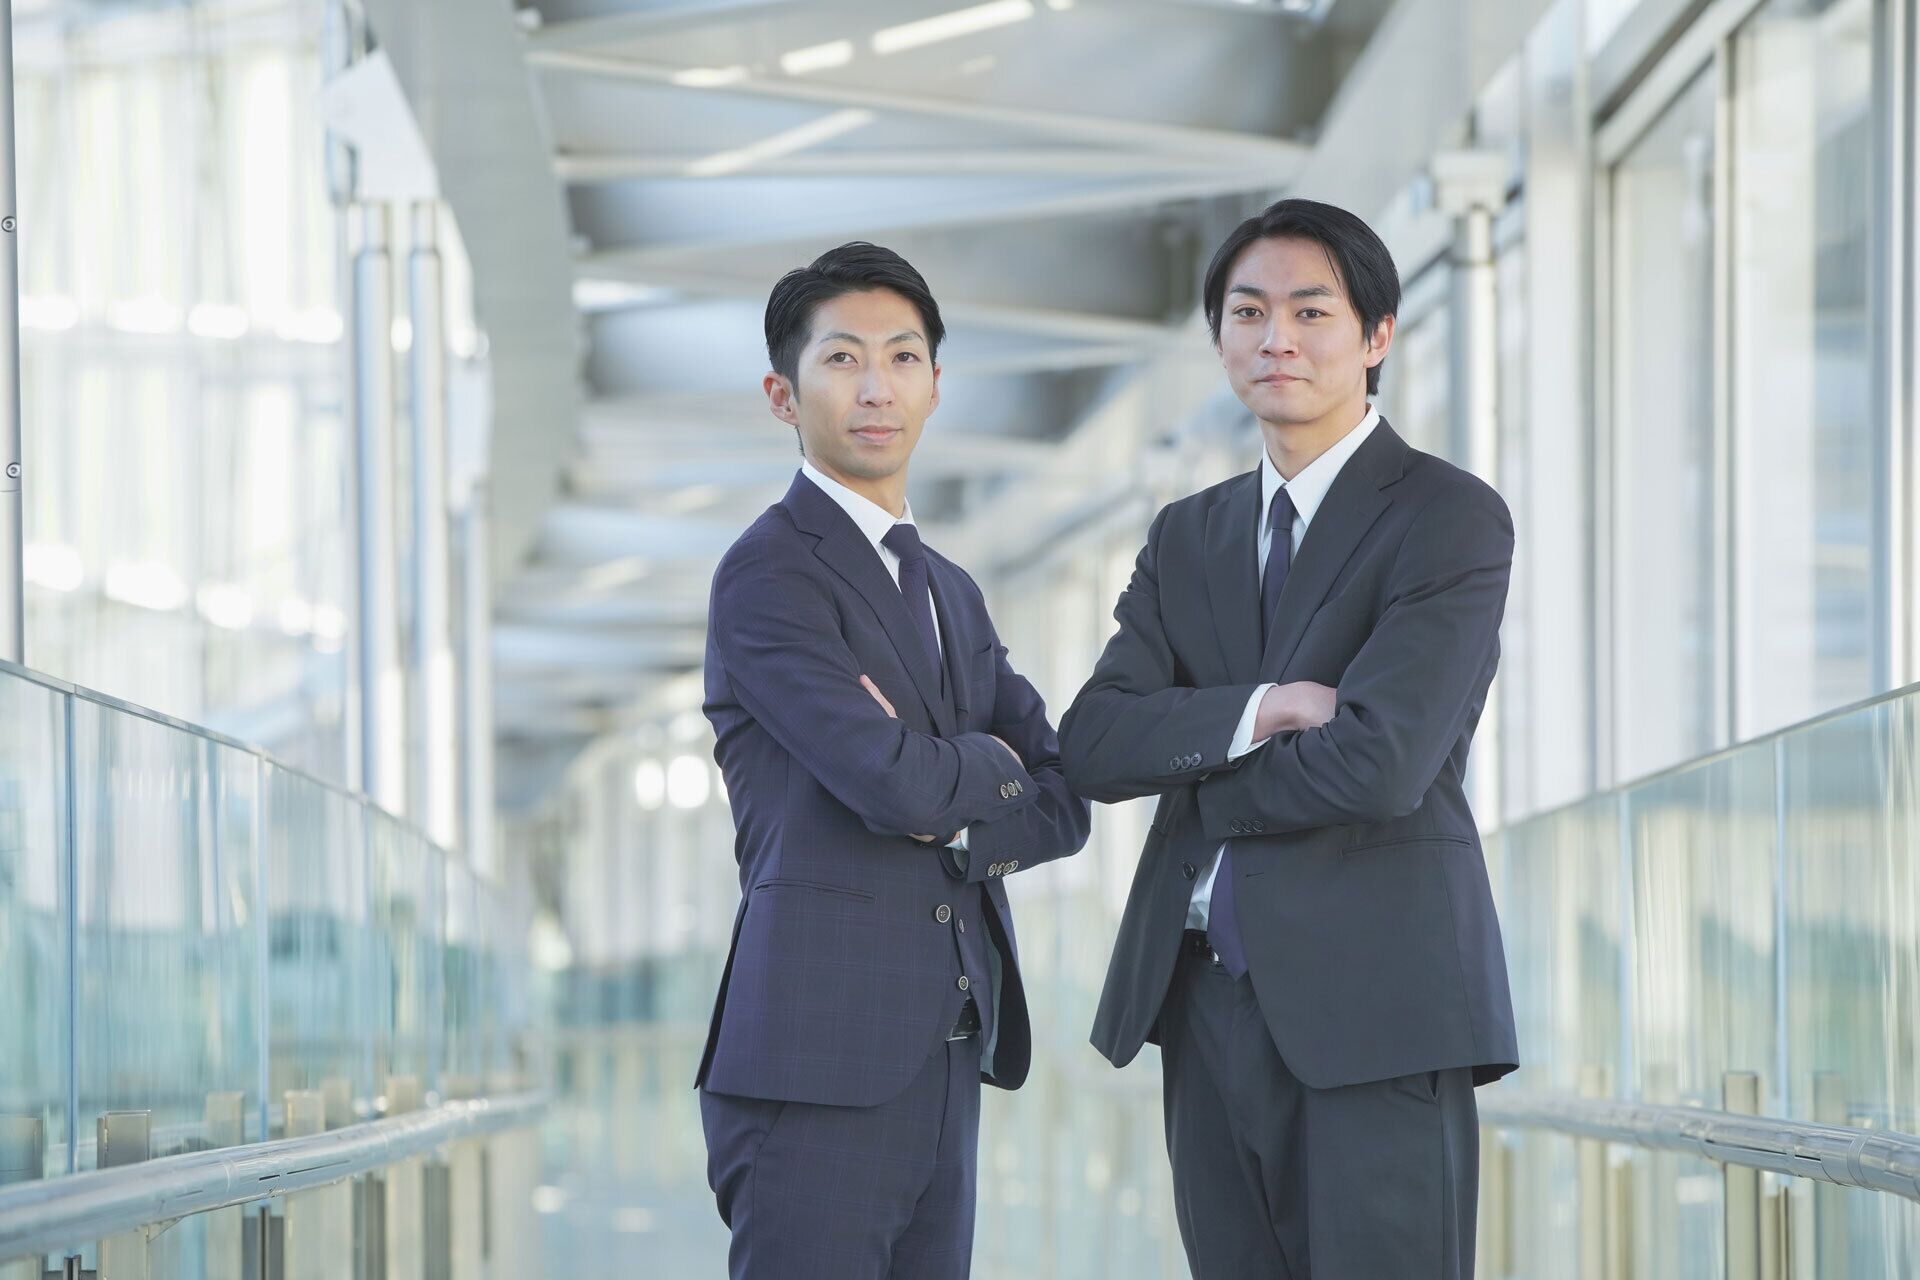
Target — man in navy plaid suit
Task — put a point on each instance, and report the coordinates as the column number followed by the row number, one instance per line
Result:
column 887, row 771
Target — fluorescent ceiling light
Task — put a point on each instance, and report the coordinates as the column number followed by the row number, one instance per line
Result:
column 592, row 294
column 709, row 77
column 148, row 585
column 217, row 320
column 225, row 606
column 946, row 26
column 780, row 144
column 819, row 57
column 53, row 566
column 145, row 315
column 50, row 313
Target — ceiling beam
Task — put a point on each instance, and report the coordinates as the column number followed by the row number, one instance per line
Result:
column 583, row 167
column 1258, row 152
column 657, row 20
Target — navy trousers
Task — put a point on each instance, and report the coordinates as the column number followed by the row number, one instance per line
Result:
column 814, row 1192
column 1273, row 1179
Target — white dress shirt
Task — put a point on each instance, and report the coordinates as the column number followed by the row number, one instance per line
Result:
column 1308, row 490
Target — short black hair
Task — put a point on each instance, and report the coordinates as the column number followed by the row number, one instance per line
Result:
column 854, row 267
column 1366, row 268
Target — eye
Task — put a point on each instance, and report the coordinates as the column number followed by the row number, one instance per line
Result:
column 1247, row 312
column 906, row 355
column 1311, row 312
column 841, row 356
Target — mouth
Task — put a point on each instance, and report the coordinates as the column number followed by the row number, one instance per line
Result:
column 1278, row 379
column 876, row 435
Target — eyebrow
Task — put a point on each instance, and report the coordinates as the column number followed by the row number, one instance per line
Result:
column 838, row 335
column 1308, row 291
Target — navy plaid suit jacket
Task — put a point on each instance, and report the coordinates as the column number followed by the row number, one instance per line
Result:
column 842, row 978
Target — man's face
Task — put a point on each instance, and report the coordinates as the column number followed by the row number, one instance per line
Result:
column 1289, row 337
column 863, row 387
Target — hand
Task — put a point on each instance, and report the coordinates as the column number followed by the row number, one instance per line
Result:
column 1294, row 707
column 887, row 707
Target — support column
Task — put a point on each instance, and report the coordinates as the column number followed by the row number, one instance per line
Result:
column 470, row 442
column 1471, row 187
column 13, row 546
column 434, row 763
column 382, row 680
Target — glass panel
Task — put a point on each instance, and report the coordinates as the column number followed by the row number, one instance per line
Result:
column 1804, row 428
column 405, row 955
column 33, row 934
column 1561, row 923
column 1703, row 845
column 1852, row 891
column 318, row 944
column 1665, row 484
column 166, row 893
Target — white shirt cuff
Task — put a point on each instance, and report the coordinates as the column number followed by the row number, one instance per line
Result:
column 1243, row 736
column 959, row 840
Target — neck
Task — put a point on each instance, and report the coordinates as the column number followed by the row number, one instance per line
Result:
column 1293, row 446
column 887, row 492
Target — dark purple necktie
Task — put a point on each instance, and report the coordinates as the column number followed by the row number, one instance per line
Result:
column 1223, row 917
column 904, row 541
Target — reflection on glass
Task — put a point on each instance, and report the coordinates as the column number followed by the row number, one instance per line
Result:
column 166, row 898
column 33, row 952
column 1804, row 424
column 1664, row 479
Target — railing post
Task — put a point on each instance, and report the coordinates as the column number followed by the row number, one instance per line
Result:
column 22, row 1159
column 226, row 1228
column 123, row 1138
column 1740, row 1092
column 1595, row 1082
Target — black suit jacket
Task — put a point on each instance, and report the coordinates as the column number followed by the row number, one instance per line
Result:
column 1363, row 897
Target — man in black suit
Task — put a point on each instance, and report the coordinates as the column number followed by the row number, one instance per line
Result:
column 1302, row 655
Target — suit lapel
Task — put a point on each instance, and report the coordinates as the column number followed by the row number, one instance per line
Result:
column 847, row 552
column 1233, row 579
column 1353, row 503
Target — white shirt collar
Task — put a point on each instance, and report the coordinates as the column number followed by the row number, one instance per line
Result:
column 1309, row 488
column 874, row 520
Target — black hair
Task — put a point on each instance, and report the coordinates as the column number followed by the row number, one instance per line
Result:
column 852, row 268
column 1365, row 267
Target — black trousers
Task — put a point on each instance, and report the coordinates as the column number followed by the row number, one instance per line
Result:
column 1272, row 1178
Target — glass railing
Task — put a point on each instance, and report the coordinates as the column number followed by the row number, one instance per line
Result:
column 204, row 948
column 1739, row 935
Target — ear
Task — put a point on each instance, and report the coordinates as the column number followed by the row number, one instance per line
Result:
column 933, row 401
column 780, row 398
column 1380, row 341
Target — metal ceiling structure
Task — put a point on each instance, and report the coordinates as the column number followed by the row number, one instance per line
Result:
column 1058, row 169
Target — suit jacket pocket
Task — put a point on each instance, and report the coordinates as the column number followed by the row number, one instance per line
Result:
column 813, row 886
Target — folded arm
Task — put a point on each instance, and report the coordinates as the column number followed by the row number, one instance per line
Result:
column 1056, row 823
column 1132, row 731
column 778, row 633
column 1406, row 697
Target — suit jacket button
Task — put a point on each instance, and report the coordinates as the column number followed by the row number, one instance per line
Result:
column 1013, row 866
column 963, row 984
column 1019, row 788
column 1259, row 825
column 1187, row 870
column 943, row 913
column 1234, row 826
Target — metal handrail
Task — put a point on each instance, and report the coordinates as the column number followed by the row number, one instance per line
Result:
column 47, row 1217
column 1872, row 1159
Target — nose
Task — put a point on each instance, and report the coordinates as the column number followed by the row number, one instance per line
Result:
column 876, row 389
column 1279, row 339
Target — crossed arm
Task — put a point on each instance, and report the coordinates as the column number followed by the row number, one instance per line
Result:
column 778, row 633
column 1403, row 702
